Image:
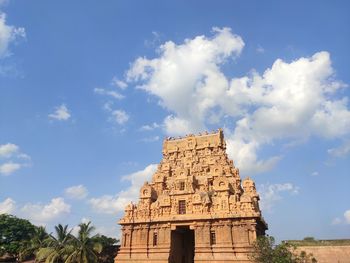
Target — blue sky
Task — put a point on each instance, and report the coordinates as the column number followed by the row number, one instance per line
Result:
column 89, row 89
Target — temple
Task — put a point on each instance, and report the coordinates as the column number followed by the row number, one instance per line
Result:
column 195, row 209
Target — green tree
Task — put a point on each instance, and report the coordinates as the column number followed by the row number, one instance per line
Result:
column 14, row 232
column 85, row 249
column 106, row 241
column 110, row 248
column 56, row 248
column 38, row 241
column 266, row 251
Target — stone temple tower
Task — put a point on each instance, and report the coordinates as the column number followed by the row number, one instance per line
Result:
column 195, row 209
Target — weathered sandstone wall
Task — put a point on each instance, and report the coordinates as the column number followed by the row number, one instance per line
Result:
column 328, row 254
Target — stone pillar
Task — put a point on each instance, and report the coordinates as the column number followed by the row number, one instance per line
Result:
column 203, row 250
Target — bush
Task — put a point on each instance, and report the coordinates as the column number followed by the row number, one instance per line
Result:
column 266, row 251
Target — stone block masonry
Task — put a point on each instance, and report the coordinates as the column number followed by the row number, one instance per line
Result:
column 195, row 209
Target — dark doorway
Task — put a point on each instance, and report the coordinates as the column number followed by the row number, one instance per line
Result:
column 182, row 245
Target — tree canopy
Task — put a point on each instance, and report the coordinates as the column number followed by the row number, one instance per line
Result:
column 19, row 240
column 13, row 233
column 266, row 251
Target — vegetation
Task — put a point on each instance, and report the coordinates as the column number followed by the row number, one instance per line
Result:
column 311, row 241
column 84, row 249
column 38, row 241
column 56, row 248
column 109, row 248
column 14, row 233
column 266, row 251
column 21, row 240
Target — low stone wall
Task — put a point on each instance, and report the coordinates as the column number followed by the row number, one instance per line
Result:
column 328, row 254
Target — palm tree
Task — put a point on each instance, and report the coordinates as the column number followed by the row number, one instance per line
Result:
column 37, row 242
column 56, row 248
column 85, row 248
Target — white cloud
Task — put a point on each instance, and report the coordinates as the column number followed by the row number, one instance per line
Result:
column 270, row 194
column 336, row 221
column 260, row 49
column 76, row 192
column 7, row 206
column 245, row 156
column 151, row 139
column 110, row 231
column 183, row 75
column 8, row 34
column 290, row 101
column 111, row 93
column 113, row 204
column 9, row 168
column 75, row 230
column 315, row 173
column 15, row 158
column 340, row 151
column 150, row 127
column 61, row 113
column 120, row 116
column 119, row 83
column 116, row 116
column 347, row 216
column 8, row 149
column 344, row 220
column 109, row 204
column 42, row 214
column 178, row 126
column 155, row 40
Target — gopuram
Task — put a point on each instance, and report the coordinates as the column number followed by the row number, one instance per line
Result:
column 195, row 209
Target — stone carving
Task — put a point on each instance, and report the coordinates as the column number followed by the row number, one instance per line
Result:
column 195, row 197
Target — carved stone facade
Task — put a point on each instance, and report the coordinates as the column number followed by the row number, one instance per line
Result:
column 195, row 209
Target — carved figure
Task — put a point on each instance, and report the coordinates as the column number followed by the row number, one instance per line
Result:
column 196, row 191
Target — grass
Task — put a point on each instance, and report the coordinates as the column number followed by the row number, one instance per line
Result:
column 310, row 241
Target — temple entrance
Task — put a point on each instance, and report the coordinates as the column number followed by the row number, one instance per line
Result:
column 182, row 245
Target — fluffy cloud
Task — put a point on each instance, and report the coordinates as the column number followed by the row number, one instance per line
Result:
column 150, row 127
column 7, row 206
column 116, row 116
column 112, row 204
column 16, row 158
column 110, row 231
column 290, row 101
column 183, row 75
column 44, row 213
column 111, row 93
column 347, row 216
column 9, row 168
column 340, row 151
column 345, row 220
column 61, row 113
column 12, row 151
column 119, row 116
column 75, row 230
column 336, row 221
column 109, row 204
column 119, row 83
column 76, row 192
column 272, row 193
column 7, row 150
column 8, row 34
